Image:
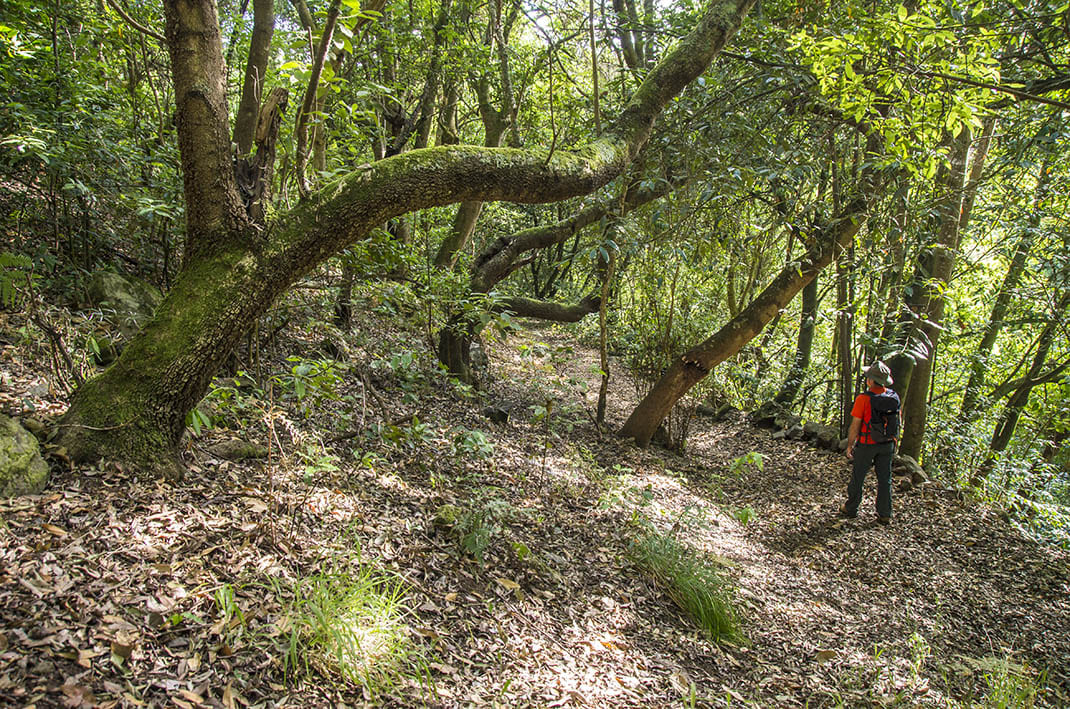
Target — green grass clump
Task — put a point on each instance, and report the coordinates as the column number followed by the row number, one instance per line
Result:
column 693, row 585
column 349, row 623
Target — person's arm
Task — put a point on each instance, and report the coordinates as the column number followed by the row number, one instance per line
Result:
column 852, row 436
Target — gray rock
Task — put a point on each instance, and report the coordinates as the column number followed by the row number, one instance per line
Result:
column 789, row 421
column 796, row 433
column 766, row 415
column 781, row 434
column 918, row 477
column 496, row 413
column 905, row 465
column 828, row 437
column 236, row 449
column 126, row 302
column 478, row 359
column 705, row 410
column 812, row 429
column 22, row 469
column 842, row 445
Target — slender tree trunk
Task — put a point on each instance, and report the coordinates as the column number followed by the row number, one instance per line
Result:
column 926, row 302
column 607, row 267
column 255, row 71
column 692, row 366
column 1012, row 411
column 980, row 359
column 803, row 348
column 844, row 329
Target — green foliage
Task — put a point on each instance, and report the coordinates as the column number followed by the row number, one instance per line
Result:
column 693, row 584
column 472, row 443
column 753, row 459
column 869, row 69
column 16, row 273
column 744, row 515
column 410, row 437
column 476, row 527
column 404, row 368
column 310, row 382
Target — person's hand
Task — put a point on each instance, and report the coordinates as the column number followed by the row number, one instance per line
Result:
column 850, row 452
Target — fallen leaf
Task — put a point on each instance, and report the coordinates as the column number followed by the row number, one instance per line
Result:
column 823, row 656
column 511, row 585
column 191, row 696
column 54, row 530
column 85, row 657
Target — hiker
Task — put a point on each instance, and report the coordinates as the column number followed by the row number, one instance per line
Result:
column 871, row 441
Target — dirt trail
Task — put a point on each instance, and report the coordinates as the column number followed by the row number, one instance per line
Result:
column 109, row 585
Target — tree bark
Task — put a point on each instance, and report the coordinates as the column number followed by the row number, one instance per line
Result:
column 926, row 303
column 234, row 271
column 499, row 260
column 495, row 123
column 255, row 71
column 1012, row 412
column 692, row 366
column 803, row 349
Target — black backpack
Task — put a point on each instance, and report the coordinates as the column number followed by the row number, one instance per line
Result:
column 884, row 416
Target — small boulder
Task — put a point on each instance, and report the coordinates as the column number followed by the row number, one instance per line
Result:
column 918, row 477
column 828, row 437
column 478, row 359
column 795, row 432
column 22, row 469
column 812, row 429
column 127, row 302
column 235, row 449
column 496, row 413
column 766, row 415
column 905, row 465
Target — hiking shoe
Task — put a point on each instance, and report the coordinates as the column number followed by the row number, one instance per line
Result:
column 884, row 520
column 844, row 513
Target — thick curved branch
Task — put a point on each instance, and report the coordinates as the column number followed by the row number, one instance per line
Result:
column 495, row 263
column 547, row 310
column 348, row 208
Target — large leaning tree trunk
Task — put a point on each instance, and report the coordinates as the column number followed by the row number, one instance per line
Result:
column 691, row 367
column 234, row 269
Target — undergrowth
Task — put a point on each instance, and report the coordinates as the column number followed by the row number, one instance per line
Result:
column 348, row 623
column 692, row 583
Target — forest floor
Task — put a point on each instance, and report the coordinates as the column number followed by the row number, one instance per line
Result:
column 116, row 590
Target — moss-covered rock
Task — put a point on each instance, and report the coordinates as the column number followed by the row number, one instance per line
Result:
column 22, row 470
column 447, row 516
column 236, row 449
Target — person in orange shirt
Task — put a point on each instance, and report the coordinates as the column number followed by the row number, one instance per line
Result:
column 871, row 441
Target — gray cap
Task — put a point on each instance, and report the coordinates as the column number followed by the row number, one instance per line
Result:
column 879, row 372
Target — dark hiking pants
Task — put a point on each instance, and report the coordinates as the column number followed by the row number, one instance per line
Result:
column 867, row 455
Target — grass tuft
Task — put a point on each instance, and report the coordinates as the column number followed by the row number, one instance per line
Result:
column 349, row 623
column 693, row 585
